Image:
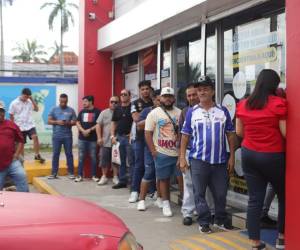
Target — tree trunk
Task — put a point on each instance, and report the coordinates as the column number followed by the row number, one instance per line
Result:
column 2, row 42
column 61, row 45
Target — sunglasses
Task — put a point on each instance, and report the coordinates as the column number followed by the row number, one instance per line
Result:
column 113, row 102
column 124, row 94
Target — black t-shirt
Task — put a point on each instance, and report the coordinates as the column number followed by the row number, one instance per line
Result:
column 122, row 116
column 138, row 106
column 87, row 119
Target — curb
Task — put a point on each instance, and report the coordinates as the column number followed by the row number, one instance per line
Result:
column 43, row 187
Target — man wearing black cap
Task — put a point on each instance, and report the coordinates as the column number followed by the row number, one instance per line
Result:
column 87, row 142
column 207, row 124
column 11, row 144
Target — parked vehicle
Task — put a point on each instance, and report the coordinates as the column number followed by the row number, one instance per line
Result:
column 45, row 222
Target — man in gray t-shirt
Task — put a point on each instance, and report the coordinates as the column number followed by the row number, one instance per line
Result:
column 104, row 141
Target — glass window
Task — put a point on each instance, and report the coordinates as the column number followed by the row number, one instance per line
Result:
column 165, row 63
column 189, row 61
column 249, row 48
column 149, row 64
column 211, row 52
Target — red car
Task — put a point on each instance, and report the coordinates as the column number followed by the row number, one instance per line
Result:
column 44, row 222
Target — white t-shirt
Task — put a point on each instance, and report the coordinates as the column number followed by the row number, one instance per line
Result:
column 164, row 137
column 22, row 112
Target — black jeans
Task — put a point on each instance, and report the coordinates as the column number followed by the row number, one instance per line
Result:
column 259, row 169
column 214, row 176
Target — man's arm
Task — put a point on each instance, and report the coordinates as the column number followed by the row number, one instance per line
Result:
column 183, row 146
column 113, row 132
column 135, row 116
column 35, row 106
column 150, row 143
column 19, row 147
column 231, row 137
column 52, row 121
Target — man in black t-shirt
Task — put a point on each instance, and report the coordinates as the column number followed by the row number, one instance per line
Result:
column 139, row 143
column 87, row 142
column 120, row 131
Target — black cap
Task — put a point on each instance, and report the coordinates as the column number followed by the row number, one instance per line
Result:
column 205, row 81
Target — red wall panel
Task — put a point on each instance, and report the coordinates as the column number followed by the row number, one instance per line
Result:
column 293, row 135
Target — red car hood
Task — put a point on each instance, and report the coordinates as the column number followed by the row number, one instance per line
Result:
column 21, row 210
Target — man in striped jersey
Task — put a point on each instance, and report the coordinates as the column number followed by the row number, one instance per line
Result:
column 206, row 125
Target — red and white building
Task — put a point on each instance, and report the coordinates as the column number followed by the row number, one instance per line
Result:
column 172, row 43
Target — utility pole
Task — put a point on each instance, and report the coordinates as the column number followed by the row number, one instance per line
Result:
column 2, row 42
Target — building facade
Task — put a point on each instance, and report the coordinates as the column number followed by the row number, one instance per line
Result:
column 172, row 43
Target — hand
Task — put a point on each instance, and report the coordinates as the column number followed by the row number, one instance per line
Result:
column 183, row 164
column 16, row 157
column 154, row 153
column 100, row 142
column 114, row 140
column 60, row 122
column 230, row 166
column 85, row 132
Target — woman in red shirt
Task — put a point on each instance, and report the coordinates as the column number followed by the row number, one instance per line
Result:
column 261, row 122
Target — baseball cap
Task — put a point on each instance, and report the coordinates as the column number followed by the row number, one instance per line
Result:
column 2, row 106
column 204, row 81
column 167, row 91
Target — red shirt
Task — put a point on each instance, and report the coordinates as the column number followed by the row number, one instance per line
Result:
column 261, row 126
column 9, row 135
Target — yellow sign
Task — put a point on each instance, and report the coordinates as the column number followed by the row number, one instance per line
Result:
column 254, row 57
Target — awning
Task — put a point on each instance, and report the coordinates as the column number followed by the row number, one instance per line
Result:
column 156, row 20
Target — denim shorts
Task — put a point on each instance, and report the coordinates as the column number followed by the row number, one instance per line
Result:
column 165, row 166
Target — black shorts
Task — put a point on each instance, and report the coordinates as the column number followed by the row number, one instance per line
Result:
column 105, row 157
column 28, row 133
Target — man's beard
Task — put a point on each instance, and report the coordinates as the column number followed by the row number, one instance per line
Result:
column 170, row 106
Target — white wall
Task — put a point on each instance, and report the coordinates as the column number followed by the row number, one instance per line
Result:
column 123, row 6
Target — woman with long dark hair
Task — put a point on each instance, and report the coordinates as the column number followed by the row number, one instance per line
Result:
column 261, row 122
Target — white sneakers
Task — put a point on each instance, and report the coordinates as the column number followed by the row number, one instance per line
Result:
column 103, row 180
column 78, row 178
column 167, row 209
column 134, row 196
column 158, row 202
column 115, row 180
column 95, row 178
column 141, row 206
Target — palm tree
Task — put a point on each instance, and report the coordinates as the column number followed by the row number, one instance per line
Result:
column 2, row 2
column 56, row 50
column 30, row 51
column 60, row 8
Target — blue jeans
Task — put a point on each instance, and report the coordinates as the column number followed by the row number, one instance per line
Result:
column 214, row 176
column 259, row 170
column 83, row 148
column 125, row 154
column 149, row 174
column 139, row 167
column 67, row 142
column 16, row 171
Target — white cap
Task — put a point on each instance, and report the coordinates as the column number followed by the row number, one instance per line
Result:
column 167, row 91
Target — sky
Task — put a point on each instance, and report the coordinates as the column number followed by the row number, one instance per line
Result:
column 25, row 20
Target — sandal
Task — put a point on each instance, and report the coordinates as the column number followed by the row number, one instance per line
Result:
column 262, row 246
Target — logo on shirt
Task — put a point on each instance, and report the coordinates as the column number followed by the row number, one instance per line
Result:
column 88, row 117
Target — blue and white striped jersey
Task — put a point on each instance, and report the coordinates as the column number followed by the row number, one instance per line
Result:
column 207, row 130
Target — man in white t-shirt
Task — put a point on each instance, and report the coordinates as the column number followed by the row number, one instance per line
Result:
column 20, row 111
column 161, row 133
